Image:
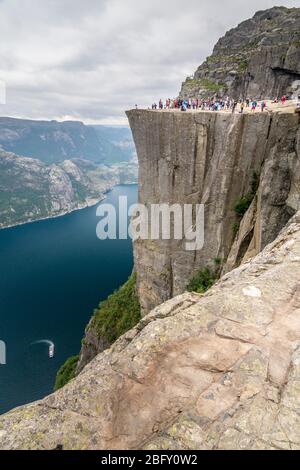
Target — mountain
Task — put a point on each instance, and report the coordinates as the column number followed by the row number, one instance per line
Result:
column 53, row 142
column 121, row 140
column 32, row 190
column 260, row 58
column 216, row 367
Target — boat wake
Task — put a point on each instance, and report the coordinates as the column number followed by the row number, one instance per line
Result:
column 49, row 343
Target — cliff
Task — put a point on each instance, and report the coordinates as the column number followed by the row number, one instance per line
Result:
column 218, row 371
column 216, row 159
column 222, row 161
column 260, row 58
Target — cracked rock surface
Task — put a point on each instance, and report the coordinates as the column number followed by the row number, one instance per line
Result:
column 217, row 371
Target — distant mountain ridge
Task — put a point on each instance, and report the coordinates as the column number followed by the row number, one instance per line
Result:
column 121, row 140
column 32, row 190
column 54, row 142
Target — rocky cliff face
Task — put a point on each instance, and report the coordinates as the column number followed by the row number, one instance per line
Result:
column 259, row 59
column 213, row 158
column 218, row 371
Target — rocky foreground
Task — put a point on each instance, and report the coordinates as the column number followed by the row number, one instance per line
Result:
column 218, row 371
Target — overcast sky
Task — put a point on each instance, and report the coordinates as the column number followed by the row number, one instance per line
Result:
column 92, row 59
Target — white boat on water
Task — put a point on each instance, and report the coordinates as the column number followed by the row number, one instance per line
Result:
column 51, row 350
column 50, row 345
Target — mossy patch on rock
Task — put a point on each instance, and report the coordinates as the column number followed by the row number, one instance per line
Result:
column 243, row 65
column 202, row 281
column 66, row 373
column 118, row 313
column 242, row 205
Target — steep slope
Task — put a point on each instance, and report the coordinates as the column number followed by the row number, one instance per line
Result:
column 53, row 141
column 219, row 371
column 214, row 159
column 260, row 59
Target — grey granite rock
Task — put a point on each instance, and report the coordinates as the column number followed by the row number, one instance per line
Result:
column 212, row 158
column 260, row 58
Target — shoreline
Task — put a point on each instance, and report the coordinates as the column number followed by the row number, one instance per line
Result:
column 88, row 203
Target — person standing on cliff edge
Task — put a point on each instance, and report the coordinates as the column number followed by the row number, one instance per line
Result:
column 253, row 107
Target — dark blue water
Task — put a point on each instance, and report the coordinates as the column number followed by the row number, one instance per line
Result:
column 53, row 273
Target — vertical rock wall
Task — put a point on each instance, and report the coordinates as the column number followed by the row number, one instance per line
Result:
column 212, row 158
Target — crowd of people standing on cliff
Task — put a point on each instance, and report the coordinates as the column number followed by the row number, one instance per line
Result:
column 216, row 104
